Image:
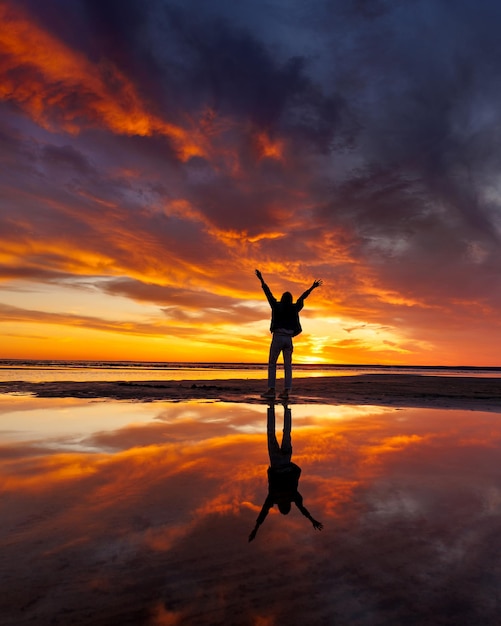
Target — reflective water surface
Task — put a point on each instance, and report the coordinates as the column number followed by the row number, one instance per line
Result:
column 93, row 371
column 141, row 513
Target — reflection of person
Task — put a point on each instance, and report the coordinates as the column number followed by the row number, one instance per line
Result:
column 283, row 475
column 285, row 325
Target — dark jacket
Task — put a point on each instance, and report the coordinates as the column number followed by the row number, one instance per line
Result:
column 283, row 481
column 283, row 485
column 285, row 315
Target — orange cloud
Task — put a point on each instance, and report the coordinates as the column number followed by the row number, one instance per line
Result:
column 58, row 86
column 269, row 148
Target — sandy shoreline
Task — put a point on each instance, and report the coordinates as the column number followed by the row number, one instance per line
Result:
column 368, row 389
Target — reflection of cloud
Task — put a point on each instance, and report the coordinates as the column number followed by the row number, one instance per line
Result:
column 155, row 524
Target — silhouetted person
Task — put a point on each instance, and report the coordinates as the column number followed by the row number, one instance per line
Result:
column 285, row 325
column 283, row 475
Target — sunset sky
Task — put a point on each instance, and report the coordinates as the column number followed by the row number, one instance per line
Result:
column 153, row 154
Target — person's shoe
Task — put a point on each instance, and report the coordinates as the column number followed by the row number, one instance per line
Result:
column 269, row 394
column 285, row 394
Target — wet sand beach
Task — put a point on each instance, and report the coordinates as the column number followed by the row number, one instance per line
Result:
column 366, row 389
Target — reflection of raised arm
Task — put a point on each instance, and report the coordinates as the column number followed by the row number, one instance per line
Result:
column 316, row 283
column 265, row 287
column 298, row 500
column 268, row 503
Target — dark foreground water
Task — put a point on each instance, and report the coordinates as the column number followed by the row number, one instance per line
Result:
column 140, row 513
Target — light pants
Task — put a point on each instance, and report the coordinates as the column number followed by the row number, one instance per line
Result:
column 280, row 344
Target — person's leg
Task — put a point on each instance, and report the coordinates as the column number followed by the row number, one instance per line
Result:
column 286, row 446
column 287, row 352
column 275, row 349
column 274, row 451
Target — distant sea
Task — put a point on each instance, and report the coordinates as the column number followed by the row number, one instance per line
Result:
column 87, row 371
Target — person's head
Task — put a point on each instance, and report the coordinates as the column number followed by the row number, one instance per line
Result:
column 286, row 298
column 284, row 506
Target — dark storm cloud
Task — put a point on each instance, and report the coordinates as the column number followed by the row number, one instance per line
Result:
column 426, row 139
column 422, row 200
column 408, row 98
column 237, row 74
column 66, row 157
column 191, row 55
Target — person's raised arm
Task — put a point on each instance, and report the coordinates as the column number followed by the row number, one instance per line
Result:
column 266, row 289
column 298, row 500
column 302, row 298
column 261, row 517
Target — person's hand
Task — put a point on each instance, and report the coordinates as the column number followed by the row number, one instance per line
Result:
column 317, row 525
column 259, row 275
column 252, row 535
column 317, row 283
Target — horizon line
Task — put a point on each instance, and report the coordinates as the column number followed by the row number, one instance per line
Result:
column 249, row 363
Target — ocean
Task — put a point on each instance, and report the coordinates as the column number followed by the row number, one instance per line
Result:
column 87, row 371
